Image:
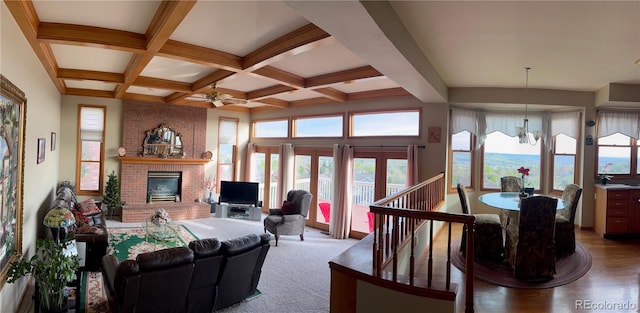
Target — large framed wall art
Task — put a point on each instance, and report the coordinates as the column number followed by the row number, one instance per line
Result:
column 13, row 105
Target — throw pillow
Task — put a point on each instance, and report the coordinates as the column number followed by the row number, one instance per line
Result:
column 288, row 207
column 88, row 207
column 81, row 219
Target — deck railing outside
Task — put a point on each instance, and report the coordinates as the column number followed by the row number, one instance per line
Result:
column 397, row 220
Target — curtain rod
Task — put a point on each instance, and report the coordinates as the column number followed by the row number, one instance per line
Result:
column 420, row 146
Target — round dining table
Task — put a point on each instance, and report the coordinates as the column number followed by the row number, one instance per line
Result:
column 508, row 200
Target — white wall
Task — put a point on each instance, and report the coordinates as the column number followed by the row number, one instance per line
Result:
column 19, row 64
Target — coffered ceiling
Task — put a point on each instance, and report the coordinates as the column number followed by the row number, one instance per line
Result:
column 279, row 54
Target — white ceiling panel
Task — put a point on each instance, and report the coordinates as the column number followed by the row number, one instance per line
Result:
column 365, row 85
column 244, row 82
column 324, row 59
column 90, row 84
column 133, row 16
column 237, row 27
column 149, row 91
column 296, row 95
column 177, row 70
column 75, row 57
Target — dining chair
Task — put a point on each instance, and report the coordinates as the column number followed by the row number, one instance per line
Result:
column 508, row 184
column 565, row 236
column 532, row 256
column 487, row 231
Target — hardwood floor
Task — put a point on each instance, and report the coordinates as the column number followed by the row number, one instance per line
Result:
column 614, row 279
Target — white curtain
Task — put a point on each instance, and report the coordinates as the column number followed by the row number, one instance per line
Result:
column 412, row 165
column 248, row 165
column 567, row 123
column 471, row 121
column 610, row 122
column 340, row 223
column 285, row 171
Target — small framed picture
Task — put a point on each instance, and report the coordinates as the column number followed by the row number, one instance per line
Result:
column 42, row 145
column 53, row 141
column 434, row 134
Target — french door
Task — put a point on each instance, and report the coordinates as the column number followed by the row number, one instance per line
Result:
column 265, row 171
column 377, row 174
column 314, row 173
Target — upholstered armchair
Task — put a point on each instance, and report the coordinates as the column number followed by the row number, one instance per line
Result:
column 565, row 235
column 508, row 184
column 488, row 231
column 291, row 217
column 532, row 256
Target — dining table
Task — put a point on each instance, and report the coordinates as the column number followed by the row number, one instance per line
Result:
column 508, row 200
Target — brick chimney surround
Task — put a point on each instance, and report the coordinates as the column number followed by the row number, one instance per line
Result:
column 190, row 123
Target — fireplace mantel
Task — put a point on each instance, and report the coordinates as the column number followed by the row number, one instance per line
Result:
column 163, row 161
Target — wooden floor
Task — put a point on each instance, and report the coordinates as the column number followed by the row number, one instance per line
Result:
column 614, row 279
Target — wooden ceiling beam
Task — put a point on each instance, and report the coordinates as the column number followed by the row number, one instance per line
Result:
column 24, row 13
column 343, row 76
column 275, row 103
column 157, row 83
column 200, row 55
column 311, row 101
column 204, row 84
column 144, row 98
column 89, row 93
column 300, row 40
column 381, row 93
column 90, row 36
column 164, row 23
column 332, row 93
column 280, row 76
column 67, row 73
column 268, row 91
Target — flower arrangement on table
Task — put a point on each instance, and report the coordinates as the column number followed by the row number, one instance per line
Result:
column 524, row 172
column 161, row 217
column 604, row 178
column 210, row 183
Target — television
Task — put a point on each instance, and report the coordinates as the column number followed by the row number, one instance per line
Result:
column 238, row 192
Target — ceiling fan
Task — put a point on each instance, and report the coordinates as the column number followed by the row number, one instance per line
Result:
column 219, row 99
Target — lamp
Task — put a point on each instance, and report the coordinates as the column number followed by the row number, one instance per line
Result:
column 523, row 132
column 58, row 218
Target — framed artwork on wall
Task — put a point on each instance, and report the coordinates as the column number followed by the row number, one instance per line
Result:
column 42, row 144
column 12, row 131
column 434, row 134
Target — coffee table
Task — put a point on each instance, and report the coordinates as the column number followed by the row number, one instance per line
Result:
column 166, row 232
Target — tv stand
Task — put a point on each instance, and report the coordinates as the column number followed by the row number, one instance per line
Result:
column 229, row 210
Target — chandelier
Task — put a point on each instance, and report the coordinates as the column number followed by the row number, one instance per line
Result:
column 523, row 132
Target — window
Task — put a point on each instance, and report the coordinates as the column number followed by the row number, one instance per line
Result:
column 397, row 123
column 227, row 145
column 504, row 155
column 614, row 154
column 89, row 166
column 330, row 126
column 461, row 157
column 271, row 129
column 564, row 161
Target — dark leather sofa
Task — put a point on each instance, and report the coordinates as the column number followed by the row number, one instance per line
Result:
column 206, row 276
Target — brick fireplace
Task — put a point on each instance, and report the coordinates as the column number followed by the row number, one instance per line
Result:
column 138, row 117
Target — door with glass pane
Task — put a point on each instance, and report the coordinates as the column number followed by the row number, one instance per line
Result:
column 314, row 173
column 376, row 175
column 265, row 171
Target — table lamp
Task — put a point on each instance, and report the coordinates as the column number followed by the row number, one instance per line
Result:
column 58, row 218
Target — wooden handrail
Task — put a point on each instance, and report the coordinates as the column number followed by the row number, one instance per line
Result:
column 399, row 217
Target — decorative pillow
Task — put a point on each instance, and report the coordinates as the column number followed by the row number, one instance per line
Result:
column 81, row 219
column 88, row 207
column 288, row 208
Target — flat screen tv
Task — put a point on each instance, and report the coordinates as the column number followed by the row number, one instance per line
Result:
column 238, row 192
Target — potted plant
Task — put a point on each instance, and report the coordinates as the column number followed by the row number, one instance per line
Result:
column 111, row 195
column 52, row 270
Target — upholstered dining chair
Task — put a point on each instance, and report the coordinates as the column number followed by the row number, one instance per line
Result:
column 291, row 218
column 565, row 236
column 487, row 231
column 508, row 184
column 532, row 256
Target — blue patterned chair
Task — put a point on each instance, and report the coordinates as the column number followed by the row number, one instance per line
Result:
column 565, row 236
column 488, row 240
column 532, row 256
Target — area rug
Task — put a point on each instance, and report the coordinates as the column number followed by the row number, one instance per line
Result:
column 568, row 269
column 93, row 298
column 127, row 242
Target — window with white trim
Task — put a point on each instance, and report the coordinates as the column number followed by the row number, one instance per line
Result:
column 90, row 145
column 227, row 148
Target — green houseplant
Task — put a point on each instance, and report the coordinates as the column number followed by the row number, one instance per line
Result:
column 111, row 195
column 52, row 270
